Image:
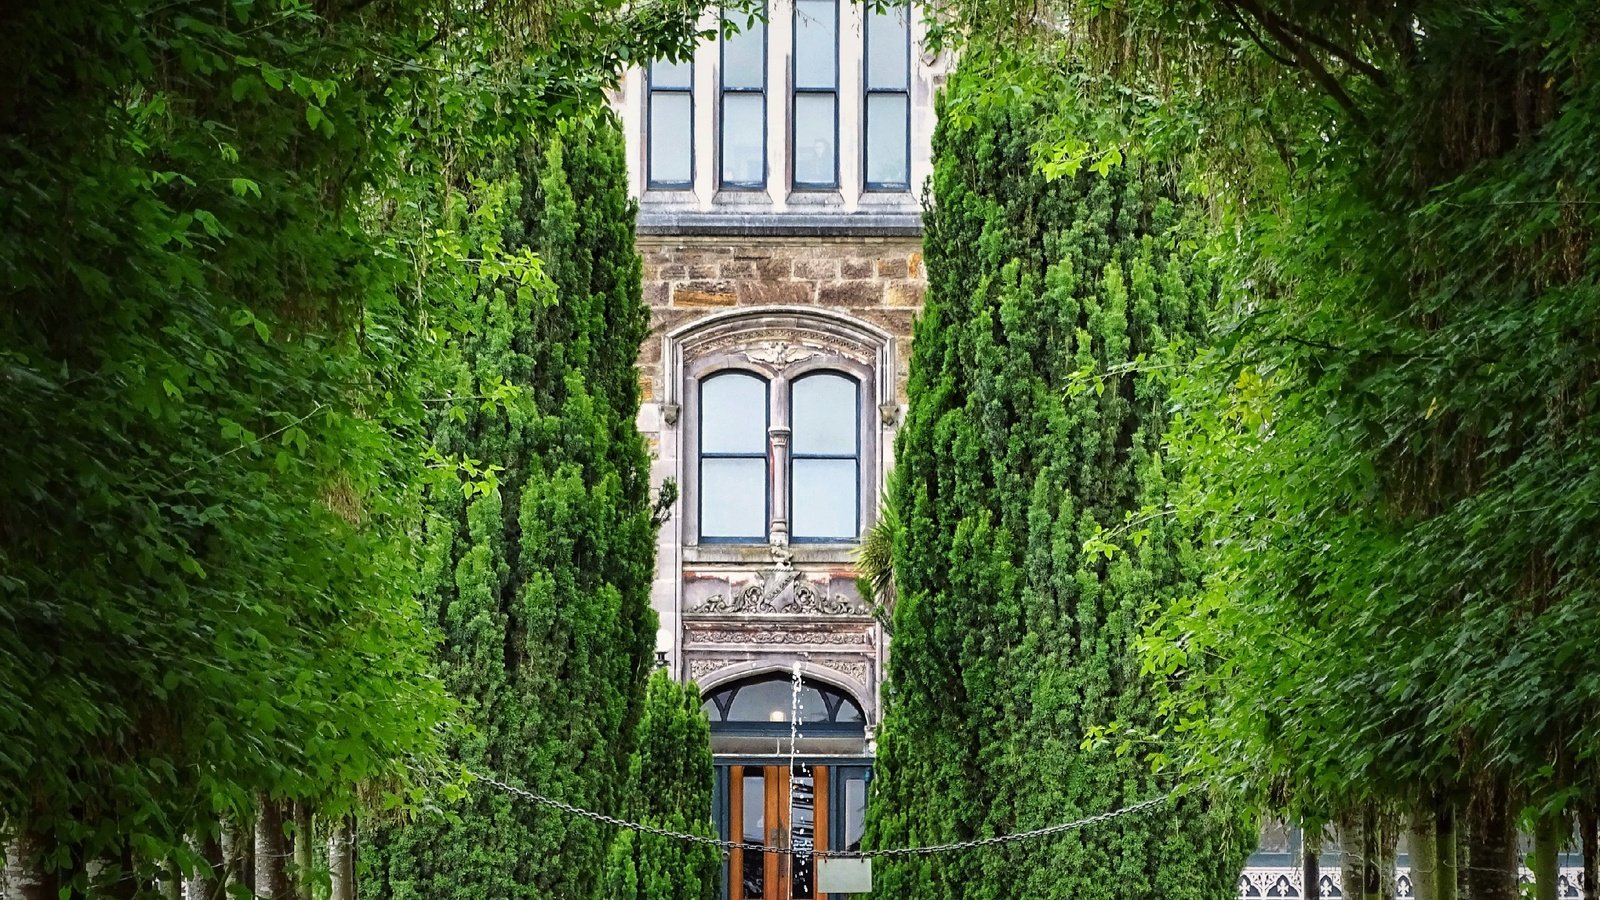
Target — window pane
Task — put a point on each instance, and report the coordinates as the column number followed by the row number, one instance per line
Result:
column 743, row 148
column 764, row 701
column 813, row 139
column 855, row 812
column 733, row 414
column 888, row 48
column 753, row 830
column 886, row 140
column 733, row 498
column 824, row 498
column 667, row 74
column 744, row 63
column 824, row 418
column 669, row 138
column 816, row 43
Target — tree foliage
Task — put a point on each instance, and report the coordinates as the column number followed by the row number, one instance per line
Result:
column 232, row 266
column 1029, row 435
column 670, row 783
column 539, row 577
column 1391, row 450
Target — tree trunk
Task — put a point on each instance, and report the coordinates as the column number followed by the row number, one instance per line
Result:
column 1549, row 833
column 1423, row 838
column 302, row 850
column 1448, row 840
column 1352, row 861
column 1311, row 862
column 342, row 860
column 207, row 880
column 272, row 852
column 1589, row 832
column 1371, row 857
column 1388, row 841
column 1492, row 857
column 172, row 882
column 239, row 853
column 25, row 878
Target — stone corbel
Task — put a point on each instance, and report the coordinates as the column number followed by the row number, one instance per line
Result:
column 889, row 414
column 669, row 413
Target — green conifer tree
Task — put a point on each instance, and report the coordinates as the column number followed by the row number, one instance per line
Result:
column 1031, row 432
column 542, row 574
column 670, row 778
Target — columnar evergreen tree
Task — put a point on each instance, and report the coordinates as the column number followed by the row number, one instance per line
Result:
column 541, row 570
column 1029, row 433
column 670, row 781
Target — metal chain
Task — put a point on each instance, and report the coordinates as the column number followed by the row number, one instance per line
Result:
column 834, row 854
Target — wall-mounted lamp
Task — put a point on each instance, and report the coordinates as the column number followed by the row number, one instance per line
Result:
column 663, row 646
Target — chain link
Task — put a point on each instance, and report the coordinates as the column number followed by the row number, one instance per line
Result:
column 726, row 846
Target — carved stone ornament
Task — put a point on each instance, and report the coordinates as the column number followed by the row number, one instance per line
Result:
column 669, row 413
column 780, row 347
column 728, row 637
column 700, row 668
column 889, row 414
column 779, row 354
column 856, row 669
column 783, row 591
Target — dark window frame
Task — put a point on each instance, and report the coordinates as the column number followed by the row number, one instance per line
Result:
column 651, row 89
column 868, row 91
column 795, row 456
column 765, row 456
column 722, row 93
column 795, row 91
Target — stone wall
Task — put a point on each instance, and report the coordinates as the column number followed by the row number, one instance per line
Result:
column 879, row 280
column 876, row 280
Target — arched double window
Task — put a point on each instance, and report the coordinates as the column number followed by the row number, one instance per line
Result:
column 780, row 455
column 761, row 703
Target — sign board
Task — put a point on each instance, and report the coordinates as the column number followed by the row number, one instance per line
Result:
column 844, row 876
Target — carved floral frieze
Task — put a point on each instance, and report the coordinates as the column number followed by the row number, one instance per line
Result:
column 726, row 637
column 779, row 347
column 780, row 591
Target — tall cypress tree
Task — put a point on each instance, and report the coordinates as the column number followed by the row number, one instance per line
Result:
column 1030, row 432
column 542, row 575
column 670, row 779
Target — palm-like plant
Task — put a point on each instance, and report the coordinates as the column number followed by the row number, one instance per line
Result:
column 875, row 562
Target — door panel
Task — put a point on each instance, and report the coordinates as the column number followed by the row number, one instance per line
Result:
column 758, row 813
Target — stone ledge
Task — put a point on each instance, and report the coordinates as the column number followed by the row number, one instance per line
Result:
column 794, row 224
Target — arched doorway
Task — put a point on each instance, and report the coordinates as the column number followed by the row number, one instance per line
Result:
column 819, row 804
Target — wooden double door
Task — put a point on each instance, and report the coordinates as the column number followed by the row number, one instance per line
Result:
column 761, row 811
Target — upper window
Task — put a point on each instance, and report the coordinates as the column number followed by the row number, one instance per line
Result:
column 744, row 102
column 815, row 137
column 670, row 110
column 733, row 458
column 830, row 102
column 887, row 79
column 799, row 476
column 825, row 462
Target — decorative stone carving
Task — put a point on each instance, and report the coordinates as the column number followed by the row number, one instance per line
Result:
column 779, row 354
column 856, row 669
column 797, row 344
column 669, row 413
column 888, row 414
column 724, row 637
column 700, row 668
column 784, row 591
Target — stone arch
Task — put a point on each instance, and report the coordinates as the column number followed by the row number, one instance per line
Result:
column 742, row 670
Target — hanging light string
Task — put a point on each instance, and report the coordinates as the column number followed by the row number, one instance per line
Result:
column 725, row 846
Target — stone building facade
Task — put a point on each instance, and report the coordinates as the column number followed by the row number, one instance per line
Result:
column 779, row 174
